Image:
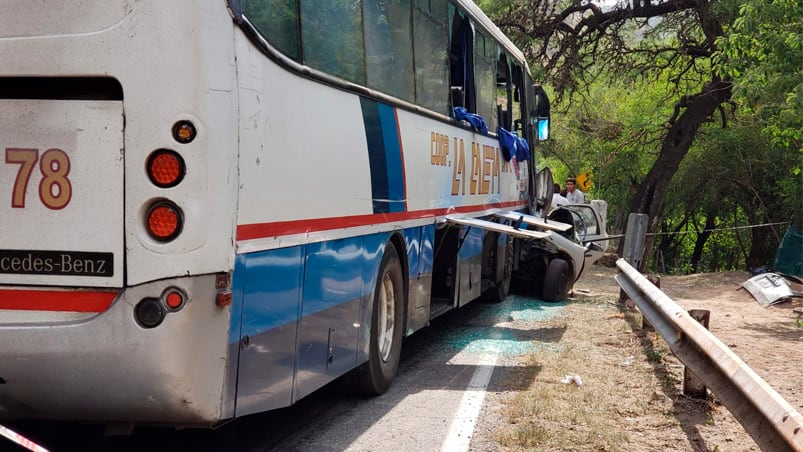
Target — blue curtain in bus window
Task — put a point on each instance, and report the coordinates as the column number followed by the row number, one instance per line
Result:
column 277, row 20
column 507, row 143
column 389, row 47
column 511, row 144
column 522, row 149
column 485, row 76
column 476, row 121
column 331, row 33
column 430, row 41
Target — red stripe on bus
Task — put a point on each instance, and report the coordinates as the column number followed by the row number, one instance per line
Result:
column 51, row 300
column 281, row 228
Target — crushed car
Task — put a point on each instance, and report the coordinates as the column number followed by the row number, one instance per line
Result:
column 574, row 238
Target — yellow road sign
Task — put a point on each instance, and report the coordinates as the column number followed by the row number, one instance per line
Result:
column 584, row 181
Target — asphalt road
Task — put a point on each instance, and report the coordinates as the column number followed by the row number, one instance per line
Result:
column 435, row 404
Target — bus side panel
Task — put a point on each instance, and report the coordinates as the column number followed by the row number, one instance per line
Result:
column 303, row 152
column 469, row 266
column 337, row 163
column 420, row 253
column 270, row 312
column 338, row 281
column 453, row 168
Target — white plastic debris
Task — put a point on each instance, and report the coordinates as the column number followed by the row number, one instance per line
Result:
column 572, row 379
column 628, row 361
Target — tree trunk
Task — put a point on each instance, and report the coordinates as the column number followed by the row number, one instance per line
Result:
column 699, row 244
column 675, row 146
column 763, row 247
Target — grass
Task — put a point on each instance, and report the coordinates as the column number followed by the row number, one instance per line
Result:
column 599, row 346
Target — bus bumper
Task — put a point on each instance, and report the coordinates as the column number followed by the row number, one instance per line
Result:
column 105, row 367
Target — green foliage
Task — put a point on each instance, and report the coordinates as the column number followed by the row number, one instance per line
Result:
column 613, row 132
column 737, row 178
column 763, row 52
column 744, row 166
column 655, row 356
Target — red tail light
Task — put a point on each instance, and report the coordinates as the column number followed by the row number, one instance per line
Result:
column 164, row 221
column 165, row 168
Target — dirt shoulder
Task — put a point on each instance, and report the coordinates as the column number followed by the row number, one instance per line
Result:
column 631, row 392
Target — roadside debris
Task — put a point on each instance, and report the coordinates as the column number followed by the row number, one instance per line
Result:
column 628, row 361
column 770, row 288
column 572, row 379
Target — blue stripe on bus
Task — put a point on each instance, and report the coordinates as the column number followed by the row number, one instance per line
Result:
column 393, row 157
column 384, row 154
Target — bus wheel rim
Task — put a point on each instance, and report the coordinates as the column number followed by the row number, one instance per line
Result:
column 387, row 300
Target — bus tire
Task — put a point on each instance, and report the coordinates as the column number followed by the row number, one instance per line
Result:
column 384, row 350
column 497, row 268
column 502, row 287
column 507, row 275
column 557, row 281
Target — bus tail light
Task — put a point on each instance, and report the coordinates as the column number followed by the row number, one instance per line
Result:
column 174, row 299
column 164, row 221
column 223, row 287
column 165, row 168
column 184, row 131
column 223, row 299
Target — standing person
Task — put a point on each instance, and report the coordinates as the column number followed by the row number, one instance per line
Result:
column 557, row 198
column 573, row 194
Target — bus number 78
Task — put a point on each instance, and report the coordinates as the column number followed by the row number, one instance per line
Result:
column 55, row 189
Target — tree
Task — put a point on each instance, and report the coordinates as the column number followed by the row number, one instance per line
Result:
column 576, row 41
column 763, row 51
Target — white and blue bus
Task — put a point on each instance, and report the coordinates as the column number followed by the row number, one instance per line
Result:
column 212, row 208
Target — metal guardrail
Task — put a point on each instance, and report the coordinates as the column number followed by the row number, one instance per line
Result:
column 772, row 422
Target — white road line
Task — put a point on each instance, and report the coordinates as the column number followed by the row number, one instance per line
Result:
column 462, row 428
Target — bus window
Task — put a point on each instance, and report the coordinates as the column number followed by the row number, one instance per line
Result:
column 388, row 48
column 517, row 104
column 277, row 20
column 485, row 75
column 504, row 89
column 461, row 60
column 331, row 34
column 431, row 63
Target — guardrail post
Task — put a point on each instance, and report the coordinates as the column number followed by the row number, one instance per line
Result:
column 635, row 238
column 633, row 247
column 693, row 386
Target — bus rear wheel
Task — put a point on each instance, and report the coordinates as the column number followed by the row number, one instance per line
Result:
column 377, row 374
column 557, row 281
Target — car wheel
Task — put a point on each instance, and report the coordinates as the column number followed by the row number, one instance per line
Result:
column 557, row 282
